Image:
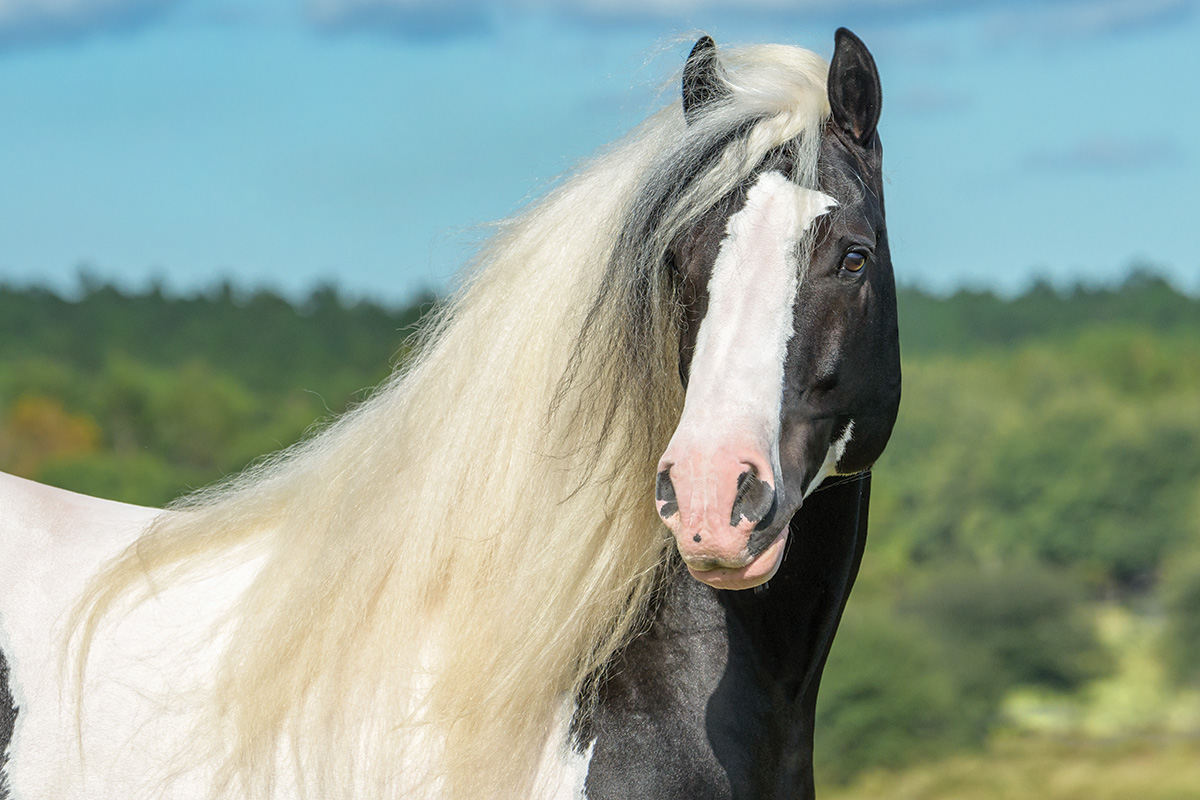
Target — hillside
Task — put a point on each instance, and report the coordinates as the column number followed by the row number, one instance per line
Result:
column 1044, row 476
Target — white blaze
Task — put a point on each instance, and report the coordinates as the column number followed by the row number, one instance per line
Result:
column 736, row 374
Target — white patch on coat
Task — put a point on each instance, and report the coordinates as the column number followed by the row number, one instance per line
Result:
column 736, row 374
column 147, row 665
column 563, row 770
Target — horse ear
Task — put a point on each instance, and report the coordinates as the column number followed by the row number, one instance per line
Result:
column 702, row 81
column 855, row 95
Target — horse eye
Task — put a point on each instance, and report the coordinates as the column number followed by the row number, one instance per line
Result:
column 854, row 261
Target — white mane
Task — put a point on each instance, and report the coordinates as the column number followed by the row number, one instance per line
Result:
column 446, row 564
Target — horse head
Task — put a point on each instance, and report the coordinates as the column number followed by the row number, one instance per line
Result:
column 789, row 351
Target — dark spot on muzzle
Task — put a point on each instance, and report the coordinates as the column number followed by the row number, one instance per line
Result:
column 755, row 501
column 664, row 492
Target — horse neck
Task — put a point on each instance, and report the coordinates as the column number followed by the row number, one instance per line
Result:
column 722, row 688
column 787, row 625
column 779, row 638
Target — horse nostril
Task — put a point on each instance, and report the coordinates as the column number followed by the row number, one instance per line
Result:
column 664, row 493
column 756, row 501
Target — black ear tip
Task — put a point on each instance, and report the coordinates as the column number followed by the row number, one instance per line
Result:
column 702, row 82
column 855, row 96
column 844, row 37
column 702, row 44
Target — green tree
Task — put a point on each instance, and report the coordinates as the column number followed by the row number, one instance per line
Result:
column 1181, row 634
column 887, row 698
column 38, row 429
column 1020, row 624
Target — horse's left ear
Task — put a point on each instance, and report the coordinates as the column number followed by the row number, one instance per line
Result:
column 703, row 84
column 855, row 95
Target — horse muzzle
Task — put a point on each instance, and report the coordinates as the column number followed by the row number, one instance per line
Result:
column 722, row 507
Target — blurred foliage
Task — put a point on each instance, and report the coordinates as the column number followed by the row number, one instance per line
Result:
column 1021, row 620
column 1081, row 452
column 886, row 674
column 141, row 397
column 1181, row 599
column 266, row 342
column 38, row 429
column 928, row 673
column 1046, row 458
column 1020, row 625
column 970, row 321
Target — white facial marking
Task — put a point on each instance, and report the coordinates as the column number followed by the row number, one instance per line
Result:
column 832, row 456
column 736, row 375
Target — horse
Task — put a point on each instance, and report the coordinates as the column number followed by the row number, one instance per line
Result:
column 593, row 541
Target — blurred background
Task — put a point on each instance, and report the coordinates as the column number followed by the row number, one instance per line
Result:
column 219, row 220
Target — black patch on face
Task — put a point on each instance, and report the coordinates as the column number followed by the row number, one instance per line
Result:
column 759, row 540
column 664, row 492
column 755, row 501
column 8, row 718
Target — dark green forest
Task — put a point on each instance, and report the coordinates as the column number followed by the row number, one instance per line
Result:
column 1044, row 471
column 141, row 397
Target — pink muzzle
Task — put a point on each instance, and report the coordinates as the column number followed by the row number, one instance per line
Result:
column 719, row 499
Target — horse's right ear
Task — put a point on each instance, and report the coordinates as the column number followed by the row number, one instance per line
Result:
column 702, row 81
column 855, row 96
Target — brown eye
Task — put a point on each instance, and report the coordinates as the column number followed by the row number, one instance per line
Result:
column 854, row 261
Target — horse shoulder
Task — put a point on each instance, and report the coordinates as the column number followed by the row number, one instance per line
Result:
column 52, row 544
column 53, row 541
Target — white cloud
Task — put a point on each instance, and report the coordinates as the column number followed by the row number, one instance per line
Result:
column 451, row 16
column 1107, row 154
column 412, row 17
column 448, row 16
column 35, row 20
column 1076, row 19
column 614, row 9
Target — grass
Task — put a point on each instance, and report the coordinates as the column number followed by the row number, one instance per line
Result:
column 1038, row 768
column 1129, row 736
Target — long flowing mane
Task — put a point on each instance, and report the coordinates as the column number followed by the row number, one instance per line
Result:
column 446, row 564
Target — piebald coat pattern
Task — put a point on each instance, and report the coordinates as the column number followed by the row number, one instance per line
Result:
column 477, row 598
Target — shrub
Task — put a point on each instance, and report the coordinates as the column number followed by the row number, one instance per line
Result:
column 1181, row 635
column 1018, row 625
column 887, row 699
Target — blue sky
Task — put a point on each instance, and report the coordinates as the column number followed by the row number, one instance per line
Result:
column 368, row 142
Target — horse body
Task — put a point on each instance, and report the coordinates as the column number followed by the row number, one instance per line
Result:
column 52, row 543
column 716, row 700
column 479, row 599
column 129, row 735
